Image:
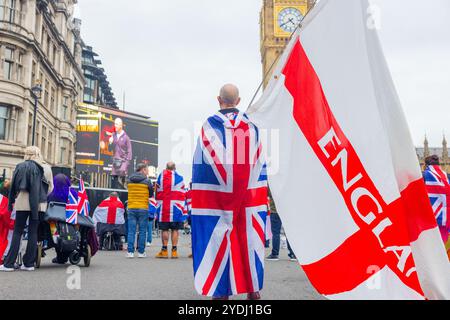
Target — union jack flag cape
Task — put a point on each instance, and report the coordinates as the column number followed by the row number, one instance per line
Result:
column 229, row 206
column 171, row 197
column 438, row 188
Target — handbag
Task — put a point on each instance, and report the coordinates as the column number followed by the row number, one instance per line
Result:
column 117, row 163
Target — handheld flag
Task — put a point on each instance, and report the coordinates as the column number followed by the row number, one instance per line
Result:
column 349, row 188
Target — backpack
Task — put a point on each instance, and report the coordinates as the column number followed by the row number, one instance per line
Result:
column 68, row 237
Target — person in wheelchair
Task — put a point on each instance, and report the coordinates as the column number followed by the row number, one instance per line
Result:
column 110, row 222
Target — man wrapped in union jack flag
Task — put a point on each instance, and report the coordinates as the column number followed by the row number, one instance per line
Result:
column 229, row 204
column 172, row 213
column 438, row 188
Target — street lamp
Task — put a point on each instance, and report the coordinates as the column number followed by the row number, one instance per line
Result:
column 37, row 92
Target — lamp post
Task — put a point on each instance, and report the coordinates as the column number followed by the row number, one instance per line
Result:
column 36, row 91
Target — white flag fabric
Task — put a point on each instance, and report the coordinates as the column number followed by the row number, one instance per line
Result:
column 348, row 186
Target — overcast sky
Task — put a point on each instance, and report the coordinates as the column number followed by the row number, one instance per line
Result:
column 171, row 57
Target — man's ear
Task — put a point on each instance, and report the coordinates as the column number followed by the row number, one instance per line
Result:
column 238, row 101
column 219, row 99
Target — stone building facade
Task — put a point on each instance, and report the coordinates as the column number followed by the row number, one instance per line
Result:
column 39, row 43
column 442, row 152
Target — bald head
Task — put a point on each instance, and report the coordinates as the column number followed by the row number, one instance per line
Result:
column 171, row 166
column 229, row 96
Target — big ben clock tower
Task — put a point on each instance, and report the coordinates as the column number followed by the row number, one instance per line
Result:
column 279, row 18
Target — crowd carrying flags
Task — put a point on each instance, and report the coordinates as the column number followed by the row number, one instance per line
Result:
column 171, row 197
column 229, row 206
column 349, row 188
column 78, row 204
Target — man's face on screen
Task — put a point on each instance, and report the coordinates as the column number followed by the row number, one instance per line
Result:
column 118, row 124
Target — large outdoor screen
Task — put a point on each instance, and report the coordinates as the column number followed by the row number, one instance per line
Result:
column 95, row 149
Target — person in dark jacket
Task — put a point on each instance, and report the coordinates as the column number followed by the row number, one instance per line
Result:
column 140, row 189
column 32, row 181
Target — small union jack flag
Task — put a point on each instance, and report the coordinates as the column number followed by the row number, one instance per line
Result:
column 83, row 202
column 438, row 188
column 72, row 209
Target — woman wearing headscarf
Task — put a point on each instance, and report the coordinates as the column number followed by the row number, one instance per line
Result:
column 31, row 183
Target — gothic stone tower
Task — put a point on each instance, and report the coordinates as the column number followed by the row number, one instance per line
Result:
column 278, row 20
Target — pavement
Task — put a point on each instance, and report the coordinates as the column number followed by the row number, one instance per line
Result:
column 113, row 277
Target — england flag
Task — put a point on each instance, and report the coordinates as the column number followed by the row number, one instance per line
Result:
column 349, row 188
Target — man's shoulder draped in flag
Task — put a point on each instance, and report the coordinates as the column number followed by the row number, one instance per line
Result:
column 229, row 204
column 355, row 208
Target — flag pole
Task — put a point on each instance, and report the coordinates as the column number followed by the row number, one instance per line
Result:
column 276, row 60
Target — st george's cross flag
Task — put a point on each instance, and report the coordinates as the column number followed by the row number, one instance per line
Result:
column 110, row 211
column 348, row 185
column 229, row 206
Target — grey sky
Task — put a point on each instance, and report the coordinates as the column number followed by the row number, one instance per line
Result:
column 171, row 57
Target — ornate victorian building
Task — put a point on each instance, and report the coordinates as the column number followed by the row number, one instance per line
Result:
column 442, row 152
column 39, row 44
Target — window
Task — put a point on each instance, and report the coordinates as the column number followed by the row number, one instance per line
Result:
column 46, row 96
column 38, row 126
column 49, row 43
column 69, row 160
column 4, row 116
column 52, row 101
column 30, row 128
column 50, row 146
column 43, row 37
column 44, row 141
column 65, row 107
column 63, row 151
column 33, row 73
column 20, row 68
column 8, row 64
column 11, row 10
column 54, row 55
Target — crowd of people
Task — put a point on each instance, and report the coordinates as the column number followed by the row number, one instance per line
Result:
column 169, row 202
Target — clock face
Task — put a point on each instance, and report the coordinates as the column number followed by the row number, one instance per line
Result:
column 289, row 19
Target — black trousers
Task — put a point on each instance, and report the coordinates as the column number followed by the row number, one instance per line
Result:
column 29, row 259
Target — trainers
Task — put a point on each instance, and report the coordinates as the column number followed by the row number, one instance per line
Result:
column 148, row 244
column 163, row 254
column 130, row 255
column 23, row 268
column 5, row 269
column 142, row 255
column 174, row 254
column 272, row 258
column 292, row 257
